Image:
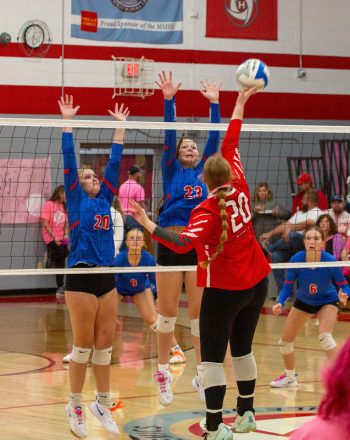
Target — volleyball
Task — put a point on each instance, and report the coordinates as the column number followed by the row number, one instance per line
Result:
column 253, row 73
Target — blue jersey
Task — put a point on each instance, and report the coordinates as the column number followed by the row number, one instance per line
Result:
column 315, row 286
column 183, row 188
column 131, row 283
column 90, row 221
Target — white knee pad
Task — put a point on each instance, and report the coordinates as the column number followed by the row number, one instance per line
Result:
column 245, row 367
column 102, row 357
column 326, row 340
column 211, row 374
column 80, row 355
column 285, row 347
column 195, row 327
column 166, row 324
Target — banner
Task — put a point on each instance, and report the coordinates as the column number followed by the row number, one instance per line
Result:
column 25, row 184
column 134, row 21
column 245, row 19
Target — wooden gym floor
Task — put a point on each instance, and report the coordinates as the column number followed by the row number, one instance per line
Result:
column 35, row 334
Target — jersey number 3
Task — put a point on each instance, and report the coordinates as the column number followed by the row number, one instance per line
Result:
column 102, row 222
column 240, row 209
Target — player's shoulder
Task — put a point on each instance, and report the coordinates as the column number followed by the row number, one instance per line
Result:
column 326, row 256
column 299, row 257
column 147, row 256
column 118, row 259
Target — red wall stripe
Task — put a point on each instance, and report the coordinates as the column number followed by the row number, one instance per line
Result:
column 183, row 56
column 96, row 101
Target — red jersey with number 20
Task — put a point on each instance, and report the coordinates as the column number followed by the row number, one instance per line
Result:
column 241, row 264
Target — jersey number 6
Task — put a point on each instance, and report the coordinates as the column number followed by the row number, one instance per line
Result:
column 102, row 222
column 240, row 208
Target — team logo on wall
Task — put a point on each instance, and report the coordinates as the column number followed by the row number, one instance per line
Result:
column 129, row 5
column 241, row 13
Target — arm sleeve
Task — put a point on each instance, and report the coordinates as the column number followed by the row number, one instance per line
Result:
column 340, row 280
column 169, row 148
column 46, row 211
column 230, row 150
column 289, row 281
column 214, row 135
column 111, row 176
column 71, row 180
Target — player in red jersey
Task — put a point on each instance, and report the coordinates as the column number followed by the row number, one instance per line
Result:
column 232, row 269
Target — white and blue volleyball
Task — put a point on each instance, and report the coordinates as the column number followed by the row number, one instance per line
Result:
column 253, row 73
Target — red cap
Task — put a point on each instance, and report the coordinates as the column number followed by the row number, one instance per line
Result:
column 304, row 178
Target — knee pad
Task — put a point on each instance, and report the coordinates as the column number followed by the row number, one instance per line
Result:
column 245, row 367
column 326, row 340
column 195, row 327
column 285, row 347
column 166, row 324
column 211, row 374
column 102, row 357
column 80, row 355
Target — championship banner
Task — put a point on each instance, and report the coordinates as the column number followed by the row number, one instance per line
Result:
column 134, row 21
column 25, row 184
column 245, row 19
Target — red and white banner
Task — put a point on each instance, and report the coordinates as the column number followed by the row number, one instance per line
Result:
column 25, row 184
column 245, row 19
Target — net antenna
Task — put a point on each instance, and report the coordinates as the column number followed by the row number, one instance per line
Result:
column 133, row 77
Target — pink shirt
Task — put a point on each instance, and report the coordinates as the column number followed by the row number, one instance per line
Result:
column 320, row 429
column 57, row 219
column 130, row 190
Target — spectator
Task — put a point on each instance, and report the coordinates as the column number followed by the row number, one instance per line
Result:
column 339, row 215
column 267, row 212
column 292, row 234
column 334, row 242
column 54, row 222
column 332, row 419
column 304, row 181
column 131, row 189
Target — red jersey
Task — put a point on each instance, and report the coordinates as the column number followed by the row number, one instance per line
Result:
column 298, row 206
column 241, row 264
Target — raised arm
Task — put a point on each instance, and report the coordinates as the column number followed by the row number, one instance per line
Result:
column 229, row 148
column 211, row 91
column 111, row 176
column 169, row 90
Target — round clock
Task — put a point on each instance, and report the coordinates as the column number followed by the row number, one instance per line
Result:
column 34, row 36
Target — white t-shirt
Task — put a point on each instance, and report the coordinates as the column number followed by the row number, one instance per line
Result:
column 300, row 217
column 118, row 229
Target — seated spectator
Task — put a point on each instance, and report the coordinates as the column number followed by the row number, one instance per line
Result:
column 304, row 182
column 291, row 234
column 267, row 212
column 339, row 215
column 334, row 242
column 332, row 420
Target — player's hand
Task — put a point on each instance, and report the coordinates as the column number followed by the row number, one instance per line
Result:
column 277, row 309
column 120, row 113
column 343, row 297
column 244, row 95
column 166, row 85
column 211, row 91
column 265, row 236
column 67, row 108
column 138, row 213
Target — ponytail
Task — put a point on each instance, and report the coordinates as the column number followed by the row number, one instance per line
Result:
column 221, row 195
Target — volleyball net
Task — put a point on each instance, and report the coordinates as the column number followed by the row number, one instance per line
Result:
column 31, row 166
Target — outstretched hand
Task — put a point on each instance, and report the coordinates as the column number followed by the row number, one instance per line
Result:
column 211, row 91
column 166, row 85
column 120, row 113
column 245, row 94
column 67, row 108
column 138, row 213
column 343, row 297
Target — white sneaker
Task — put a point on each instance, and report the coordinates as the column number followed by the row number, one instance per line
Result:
column 66, row 358
column 76, row 420
column 177, row 356
column 198, row 387
column 104, row 416
column 164, row 380
column 284, row 381
column 222, row 433
column 245, row 423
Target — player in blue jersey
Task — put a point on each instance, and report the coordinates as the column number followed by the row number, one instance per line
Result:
column 183, row 190
column 91, row 299
column 316, row 294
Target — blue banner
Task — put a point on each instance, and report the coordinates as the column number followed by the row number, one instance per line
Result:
column 134, row 21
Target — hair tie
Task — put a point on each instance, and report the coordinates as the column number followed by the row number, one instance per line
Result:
column 215, row 190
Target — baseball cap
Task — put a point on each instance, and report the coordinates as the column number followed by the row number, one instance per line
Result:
column 337, row 198
column 304, row 178
column 134, row 169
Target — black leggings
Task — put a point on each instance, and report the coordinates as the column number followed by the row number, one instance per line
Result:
column 229, row 316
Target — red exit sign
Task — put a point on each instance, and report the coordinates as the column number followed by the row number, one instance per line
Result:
column 131, row 70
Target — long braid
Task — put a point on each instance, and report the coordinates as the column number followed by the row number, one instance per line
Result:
column 220, row 195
